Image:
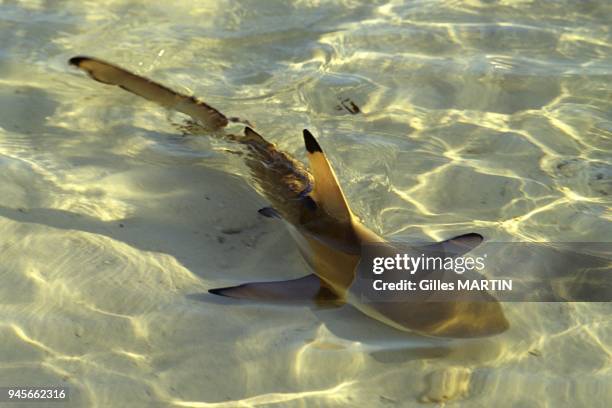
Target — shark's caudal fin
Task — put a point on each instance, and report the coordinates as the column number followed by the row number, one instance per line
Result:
column 110, row 74
column 302, row 290
column 326, row 192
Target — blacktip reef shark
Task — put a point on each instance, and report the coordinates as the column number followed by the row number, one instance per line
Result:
column 329, row 235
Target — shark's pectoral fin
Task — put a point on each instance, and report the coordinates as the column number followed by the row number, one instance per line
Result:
column 456, row 246
column 462, row 244
column 326, row 192
column 308, row 289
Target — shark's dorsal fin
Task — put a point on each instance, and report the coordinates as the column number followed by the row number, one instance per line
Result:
column 326, row 192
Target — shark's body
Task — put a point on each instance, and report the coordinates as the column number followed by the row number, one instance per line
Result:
column 328, row 234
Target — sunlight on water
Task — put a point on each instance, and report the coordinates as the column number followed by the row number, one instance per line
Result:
column 476, row 115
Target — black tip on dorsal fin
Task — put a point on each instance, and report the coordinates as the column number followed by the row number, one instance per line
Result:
column 311, row 143
column 326, row 192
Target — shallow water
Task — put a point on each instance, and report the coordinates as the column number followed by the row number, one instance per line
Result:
column 486, row 116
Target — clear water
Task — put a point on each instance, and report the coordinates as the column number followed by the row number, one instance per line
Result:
column 488, row 116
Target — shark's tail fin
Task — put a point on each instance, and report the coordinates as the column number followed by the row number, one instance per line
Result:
column 326, row 192
column 101, row 71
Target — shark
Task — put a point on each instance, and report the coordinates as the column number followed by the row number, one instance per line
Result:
column 329, row 235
